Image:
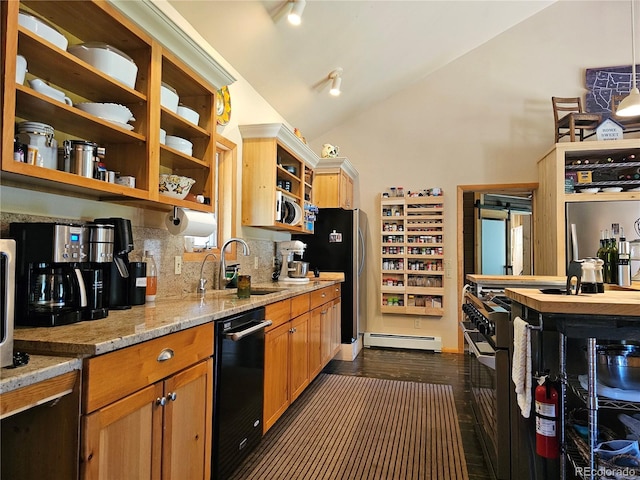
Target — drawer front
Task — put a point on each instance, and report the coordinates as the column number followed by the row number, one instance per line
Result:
column 278, row 313
column 321, row 296
column 336, row 290
column 300, row 305
column 113, row 376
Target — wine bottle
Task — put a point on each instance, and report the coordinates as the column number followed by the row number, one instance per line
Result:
column 601, row 250
column 612, row 257
column 605, row 257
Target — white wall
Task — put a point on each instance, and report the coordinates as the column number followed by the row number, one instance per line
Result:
column 486, row 118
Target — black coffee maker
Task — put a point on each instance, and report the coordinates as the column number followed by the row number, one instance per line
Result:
column 50, row 289
column 117, row 280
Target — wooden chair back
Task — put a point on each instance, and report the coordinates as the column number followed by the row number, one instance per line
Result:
column 565, row 105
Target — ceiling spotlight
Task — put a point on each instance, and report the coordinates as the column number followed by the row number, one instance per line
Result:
column 336, row 81
column 295, row 14
column 630, row 105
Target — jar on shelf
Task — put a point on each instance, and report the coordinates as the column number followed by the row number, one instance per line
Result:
column 42, row 147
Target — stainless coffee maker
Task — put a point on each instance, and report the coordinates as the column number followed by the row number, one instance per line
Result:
column 50, row 289
column 117, row 282
column 95, row 272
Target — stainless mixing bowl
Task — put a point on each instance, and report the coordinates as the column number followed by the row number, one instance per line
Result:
column 619, row 366
column 298, row 269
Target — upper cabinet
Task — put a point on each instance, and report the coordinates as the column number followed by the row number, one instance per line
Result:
column 599, row 171
column 132, row 148
column 333, row 183
column 277, row 179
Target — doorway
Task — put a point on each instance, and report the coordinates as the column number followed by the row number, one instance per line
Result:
column 496, row 218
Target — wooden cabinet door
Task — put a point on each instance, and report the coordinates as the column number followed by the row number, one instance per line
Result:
column 336, row 327
column 299, row 360
column 326, row 190
column 123, row 439
column 276, row 374
column 186, row 446
column 326, row 315
column 315, row 339
column 346, row 190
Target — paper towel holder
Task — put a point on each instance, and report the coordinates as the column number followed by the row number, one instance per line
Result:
column 174, row 218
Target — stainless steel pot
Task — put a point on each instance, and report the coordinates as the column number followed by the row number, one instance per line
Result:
column 619, row 366
column 298, row 269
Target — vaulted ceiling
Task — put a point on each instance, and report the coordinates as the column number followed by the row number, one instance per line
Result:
column 382, row 47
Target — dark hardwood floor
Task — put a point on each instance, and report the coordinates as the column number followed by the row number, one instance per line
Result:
column 427, row 367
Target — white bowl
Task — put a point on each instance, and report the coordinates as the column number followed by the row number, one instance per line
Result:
column 590, row 190
column 21, row 69
column 189, row 114
column 107, row 111
column 42, row 29
column 163, row 136
column 180, row 144
column 612, row 189
column 175, row 186
column 109, row 60
column 169, row 97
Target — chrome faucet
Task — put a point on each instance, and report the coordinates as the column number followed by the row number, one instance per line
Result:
column 223, row 264
column 203, row 281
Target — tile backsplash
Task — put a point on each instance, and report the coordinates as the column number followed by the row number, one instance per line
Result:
column 165, row 247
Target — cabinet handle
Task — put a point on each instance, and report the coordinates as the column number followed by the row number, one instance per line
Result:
column 172, row 396
column 161, row 401
column 323, row 312
column 323, row 295
column 293, row 330
column 166, row 354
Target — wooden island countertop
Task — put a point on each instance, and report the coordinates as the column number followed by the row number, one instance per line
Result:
column 611, row 302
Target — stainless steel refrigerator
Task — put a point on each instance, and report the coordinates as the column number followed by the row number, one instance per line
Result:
column 338, row 245
column 590, row 218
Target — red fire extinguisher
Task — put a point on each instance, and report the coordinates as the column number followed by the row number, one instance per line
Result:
column 547, row 442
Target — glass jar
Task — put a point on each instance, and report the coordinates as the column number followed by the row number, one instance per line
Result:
column 42, row 146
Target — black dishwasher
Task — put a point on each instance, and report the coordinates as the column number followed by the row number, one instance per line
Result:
column 238, row 390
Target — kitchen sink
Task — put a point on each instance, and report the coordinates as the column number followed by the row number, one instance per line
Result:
column 264, row 291
column 257, row 291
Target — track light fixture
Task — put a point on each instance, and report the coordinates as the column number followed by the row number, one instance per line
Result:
column 336, row 81
column 295, row 14
column 630, row 105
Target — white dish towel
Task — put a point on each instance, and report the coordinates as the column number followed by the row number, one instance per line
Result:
column 521, row 366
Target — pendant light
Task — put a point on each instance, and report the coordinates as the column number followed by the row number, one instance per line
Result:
column 630, row 105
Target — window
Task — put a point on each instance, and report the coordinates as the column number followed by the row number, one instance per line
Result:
column 225, row 169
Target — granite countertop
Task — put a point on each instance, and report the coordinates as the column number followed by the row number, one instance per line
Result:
column 612, row 302
column 39, row 368
column 123, row 328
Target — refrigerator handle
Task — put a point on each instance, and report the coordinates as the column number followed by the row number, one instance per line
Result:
column 362, row 254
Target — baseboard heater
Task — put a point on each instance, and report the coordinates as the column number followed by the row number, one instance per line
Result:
column 402, row 341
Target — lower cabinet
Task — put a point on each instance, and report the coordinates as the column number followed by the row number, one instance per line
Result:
column 39, row 429
column 336, row 326
column 159, row 431
column 286, row 373
column 304, row 337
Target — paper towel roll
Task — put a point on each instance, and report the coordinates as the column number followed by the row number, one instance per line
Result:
column 190, row 222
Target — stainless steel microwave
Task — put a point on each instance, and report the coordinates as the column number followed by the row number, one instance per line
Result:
column 7, row 299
